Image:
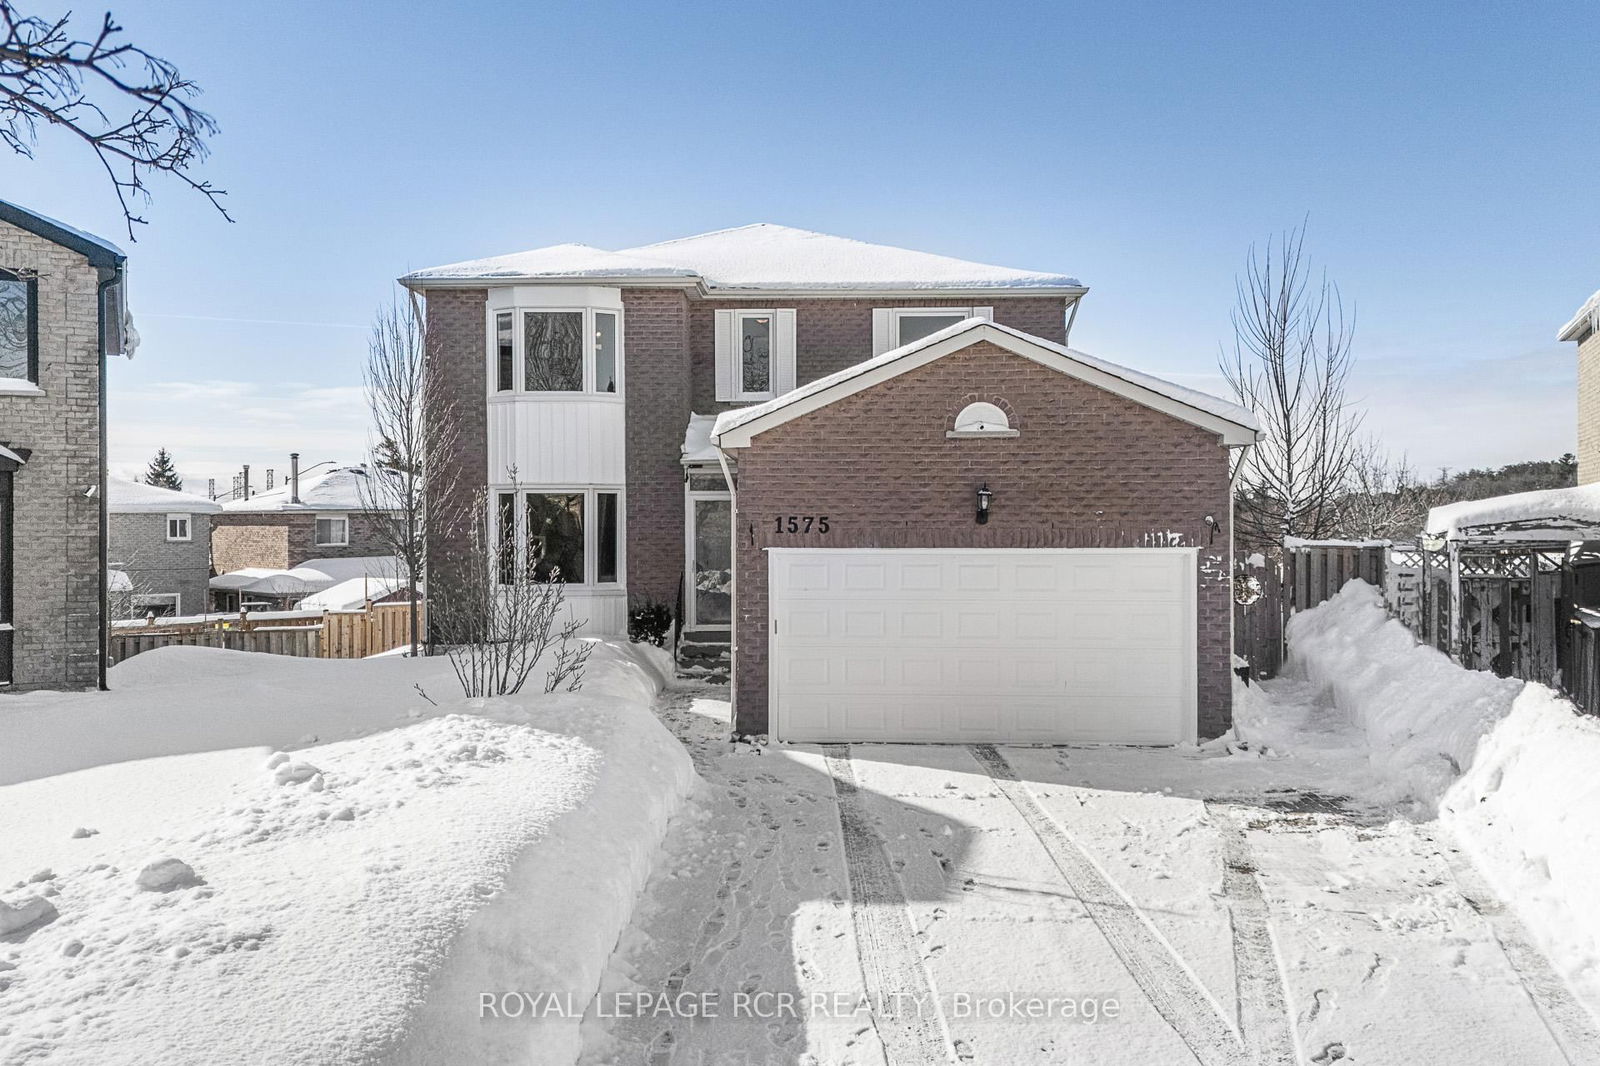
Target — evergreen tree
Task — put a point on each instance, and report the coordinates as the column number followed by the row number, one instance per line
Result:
column 162, row 473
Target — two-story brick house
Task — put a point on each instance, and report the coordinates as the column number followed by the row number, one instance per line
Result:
column 161, row 540
column 1584, row 328
column 328, row 513
column 879, row 473
column 61, row 314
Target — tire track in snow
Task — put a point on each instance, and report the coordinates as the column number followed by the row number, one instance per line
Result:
column 1151, row 961
column 1569, row 1023
column 885, row 939
column 1264, row 1017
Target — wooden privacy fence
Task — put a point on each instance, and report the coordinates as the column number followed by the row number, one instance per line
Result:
column 307, row 634
column 1269, row 587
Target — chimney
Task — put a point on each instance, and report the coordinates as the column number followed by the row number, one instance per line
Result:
column 211, row 488
column 246, row 481
column 294, row 477
column 269, row 477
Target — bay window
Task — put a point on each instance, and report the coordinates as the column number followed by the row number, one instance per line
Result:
column 571, row 535
column 556, row 351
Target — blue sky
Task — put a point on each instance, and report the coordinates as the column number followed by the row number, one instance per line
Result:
column 1445, row 155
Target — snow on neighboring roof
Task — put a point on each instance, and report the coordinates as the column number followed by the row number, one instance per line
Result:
column 1545, row 514
column 1199, row 401
column 555, row 261
column 339, row 488
column 355, row 566
column 697, row 446
column 1587, row 320
column 351, row 595
column 769, row 256
column 135, row 497
column 758, row 257
column 313, row 575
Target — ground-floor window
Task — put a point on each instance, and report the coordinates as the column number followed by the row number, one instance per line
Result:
column 570, row 534
column 708, row 543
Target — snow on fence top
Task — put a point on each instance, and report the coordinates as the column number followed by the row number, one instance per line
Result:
column 1546, row 514
column 135, row 497
column 759, row 256
column 1587, row 320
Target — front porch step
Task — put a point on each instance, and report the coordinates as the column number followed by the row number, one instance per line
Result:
column 702, row 656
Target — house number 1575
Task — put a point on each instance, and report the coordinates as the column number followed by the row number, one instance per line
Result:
column 801, row 523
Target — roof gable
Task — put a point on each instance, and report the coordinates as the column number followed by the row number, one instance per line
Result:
column 1235, row 424
column 100, row 252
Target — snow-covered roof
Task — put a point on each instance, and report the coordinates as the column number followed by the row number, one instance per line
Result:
column 697, row 446
column 313, row 575
column 99, row 251
column 118, row 581
column 338, row 488
column 356, row 566
column 1586, row 321
column 1237, row 423
column 135, row 497
column 758, row 257
column 1543, row 515
column 352, row 594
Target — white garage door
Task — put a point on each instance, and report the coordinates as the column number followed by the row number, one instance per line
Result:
column 1027, row 646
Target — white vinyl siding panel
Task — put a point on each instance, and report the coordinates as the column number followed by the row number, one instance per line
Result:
column 572, row 440
column 1025, row 646
column 882, row 330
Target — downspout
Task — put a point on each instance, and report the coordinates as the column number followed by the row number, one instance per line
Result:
column 105, row 511
column 1233, row 636
column 733, row 588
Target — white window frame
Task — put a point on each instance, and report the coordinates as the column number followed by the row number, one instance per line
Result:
column 329, row 516
column 886, row 322
column 519, row 357
column 740, row 395
column 188, row 528
column 690, row 496
column 591, row 527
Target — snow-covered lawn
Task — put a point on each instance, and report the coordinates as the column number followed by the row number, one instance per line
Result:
column 1287, row 898
column 249, row 858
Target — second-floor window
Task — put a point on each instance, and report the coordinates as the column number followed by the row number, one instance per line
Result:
column 19, row 326
column 893, row 327
column 574, row 350
column 178, row 527
column 333, row 531
column 755, row 353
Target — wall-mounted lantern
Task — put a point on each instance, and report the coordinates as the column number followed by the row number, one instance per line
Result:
column 984, row 496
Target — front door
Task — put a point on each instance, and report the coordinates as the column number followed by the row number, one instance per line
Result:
column 710, row 542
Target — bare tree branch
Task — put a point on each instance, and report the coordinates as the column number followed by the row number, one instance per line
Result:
column 1290, row 361
column 49, row 77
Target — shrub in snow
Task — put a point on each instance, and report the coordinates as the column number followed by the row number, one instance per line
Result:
column 26, row 912
column 649, row 623
column 164, row 875
column 504, row 609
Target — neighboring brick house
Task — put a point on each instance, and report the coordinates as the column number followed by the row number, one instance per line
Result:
column 1585, row 329
column 61, row 314
column 321, row 515
column 870, row 397
column 161, row 540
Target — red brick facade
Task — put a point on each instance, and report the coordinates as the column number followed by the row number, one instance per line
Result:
column 1090, row 469
column 657, row 384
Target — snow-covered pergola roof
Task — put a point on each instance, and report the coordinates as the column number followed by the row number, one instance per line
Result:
column 1236, row 425
column 1585, row 322
column 1546, row 515
column 759, row 258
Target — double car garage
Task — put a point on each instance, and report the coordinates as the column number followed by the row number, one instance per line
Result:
column 987, row 645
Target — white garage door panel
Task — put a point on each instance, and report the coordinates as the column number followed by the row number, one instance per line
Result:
column 969, row 646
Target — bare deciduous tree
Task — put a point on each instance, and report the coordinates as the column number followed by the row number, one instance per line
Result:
column 1290, row 362
column 405, row 432
column 499, row 620
column 1385, row 498
column 131, row 107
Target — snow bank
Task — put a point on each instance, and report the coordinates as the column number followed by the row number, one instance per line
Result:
column 185, row 890
column 1509, row 766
